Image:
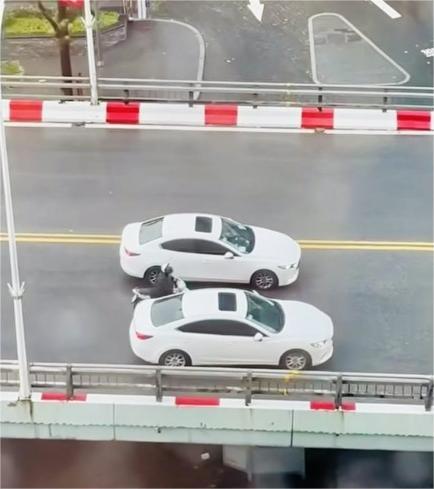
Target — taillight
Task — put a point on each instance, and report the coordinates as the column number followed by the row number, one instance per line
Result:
column 130, row 253
column 141, row 336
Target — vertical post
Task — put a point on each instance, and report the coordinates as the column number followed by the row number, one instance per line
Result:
column 99, row 52
column 88, row 22
column 16, row 289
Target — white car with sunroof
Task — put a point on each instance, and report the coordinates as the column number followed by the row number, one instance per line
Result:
column 230, row 327
column 209, row 248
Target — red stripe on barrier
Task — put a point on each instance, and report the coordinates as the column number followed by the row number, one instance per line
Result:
column 122, row 113
column 221, row 115
column 313, row 118
column 324, row 405
column 330, row 406
column 418, row 120
column 61, row 396
column 348, row 406
column 25, row 110
column 197, row 401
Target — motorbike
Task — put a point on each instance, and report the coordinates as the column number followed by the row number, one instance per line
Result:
column 140, row 294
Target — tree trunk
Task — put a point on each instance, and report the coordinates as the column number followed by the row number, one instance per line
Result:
column 65, row 61
column 63, row 40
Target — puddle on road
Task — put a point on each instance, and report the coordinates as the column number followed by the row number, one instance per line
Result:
column 341, row 54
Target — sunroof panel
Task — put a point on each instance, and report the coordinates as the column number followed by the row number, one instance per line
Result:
column 203, row 224
column 227, row 301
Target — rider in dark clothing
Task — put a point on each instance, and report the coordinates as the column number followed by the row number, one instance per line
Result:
column 165, row 283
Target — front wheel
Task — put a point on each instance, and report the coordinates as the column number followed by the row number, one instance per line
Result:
column 175, row 358
column 264, row 280
column 295, row 360
column 151, row 276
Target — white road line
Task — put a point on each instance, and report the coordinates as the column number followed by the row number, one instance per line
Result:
column 367, row 132
column 387, row 9
column 202, row 128
column 369, row 41
column 39, row 124
column 275, row 130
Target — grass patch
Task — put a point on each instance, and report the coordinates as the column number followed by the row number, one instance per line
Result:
column 11, row 68
column 30, row 22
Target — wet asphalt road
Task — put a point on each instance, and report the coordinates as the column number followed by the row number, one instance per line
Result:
column 312, row 186
column 239, row 48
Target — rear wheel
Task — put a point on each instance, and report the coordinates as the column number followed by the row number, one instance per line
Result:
column 151, row 276
column 295, row 360
column 175, row 358
column 264, row 280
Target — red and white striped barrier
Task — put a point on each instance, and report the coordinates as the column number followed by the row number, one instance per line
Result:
column 217, row 115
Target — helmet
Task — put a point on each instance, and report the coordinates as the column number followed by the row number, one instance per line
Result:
column 167, row 269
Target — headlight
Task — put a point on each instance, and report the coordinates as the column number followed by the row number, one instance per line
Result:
column 319, row 344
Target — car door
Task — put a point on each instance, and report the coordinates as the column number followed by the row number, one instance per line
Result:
column 180, row 253
column 200, row 340
column 216, row 267
column 241, row 345
column 224, row 342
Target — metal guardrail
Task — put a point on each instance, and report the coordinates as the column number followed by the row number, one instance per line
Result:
column 226, row 382
column 256, row 94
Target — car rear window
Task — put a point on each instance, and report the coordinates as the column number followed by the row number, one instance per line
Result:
column 150, row 230
column 167, row 310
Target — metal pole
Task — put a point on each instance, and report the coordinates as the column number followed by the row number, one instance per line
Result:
column 88, row 22
column 16, row 289
column 99, row 49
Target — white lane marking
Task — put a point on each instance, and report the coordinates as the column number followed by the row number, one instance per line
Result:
column 429, row 53
column 38, row 124
column 363, row 132
column 367, row 132
column 371, row 43
column 387, row 9
column 202, row 128
column 257, row 9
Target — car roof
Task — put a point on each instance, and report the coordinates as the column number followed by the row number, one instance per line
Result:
column 191, row 225
column 215, row 302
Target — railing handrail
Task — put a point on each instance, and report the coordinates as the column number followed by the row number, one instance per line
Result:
column 258, row 93
column 246, row 383
column 169, row 82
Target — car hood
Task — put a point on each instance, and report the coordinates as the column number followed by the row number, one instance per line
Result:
column 130, row 236
column 275, row 246
column 306, row 322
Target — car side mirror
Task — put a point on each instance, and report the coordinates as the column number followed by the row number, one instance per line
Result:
column 229, row 255
column 258, row 337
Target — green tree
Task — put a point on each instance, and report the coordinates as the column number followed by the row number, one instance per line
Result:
column 60, row 20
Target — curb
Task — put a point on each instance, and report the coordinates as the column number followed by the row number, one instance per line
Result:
column 216, row 115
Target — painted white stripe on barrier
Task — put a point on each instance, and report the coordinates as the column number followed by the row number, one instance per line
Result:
column 54, row 111
column 171, row 114
column 285, row 117
column 365, row 119
column 5, row 109
column 392, row 408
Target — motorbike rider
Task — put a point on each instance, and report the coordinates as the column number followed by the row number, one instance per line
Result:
column 165, row 284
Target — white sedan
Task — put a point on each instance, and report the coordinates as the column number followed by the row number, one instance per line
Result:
column 209, row 248
column 230, row 327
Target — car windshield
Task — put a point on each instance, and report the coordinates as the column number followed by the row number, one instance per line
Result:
column 240, row 237
column 167, row 310
column 150, row 230
column 266, row 312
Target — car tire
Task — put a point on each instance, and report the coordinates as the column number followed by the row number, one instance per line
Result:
column 264, row 280
column 295, row 360
column 175, row 358
column 150, row 276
